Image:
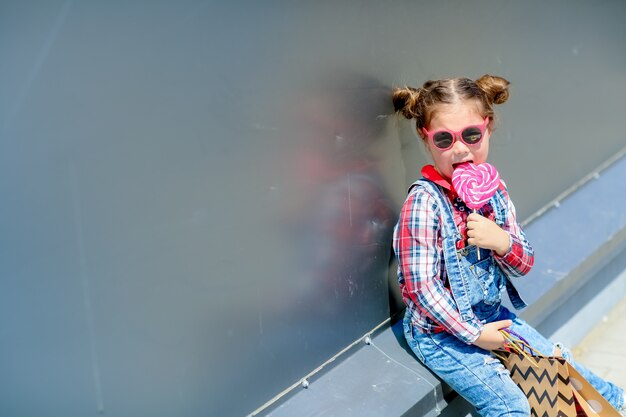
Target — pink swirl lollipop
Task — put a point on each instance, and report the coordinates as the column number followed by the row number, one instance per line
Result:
column 475, row 184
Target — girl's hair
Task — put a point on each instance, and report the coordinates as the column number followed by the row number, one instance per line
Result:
column 420, row 103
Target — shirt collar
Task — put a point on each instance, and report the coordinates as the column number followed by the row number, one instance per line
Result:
column 430, row 173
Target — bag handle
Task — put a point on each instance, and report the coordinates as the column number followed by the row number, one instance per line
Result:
column 518, row 341
column 518, row 344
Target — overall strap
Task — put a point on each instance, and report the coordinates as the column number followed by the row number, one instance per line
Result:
column 449, row 227
column 500, row 206
column 449, row 238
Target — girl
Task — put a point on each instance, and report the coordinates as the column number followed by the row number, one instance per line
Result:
column 452, row 292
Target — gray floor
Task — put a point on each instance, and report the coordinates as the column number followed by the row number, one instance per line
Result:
column 603, row 350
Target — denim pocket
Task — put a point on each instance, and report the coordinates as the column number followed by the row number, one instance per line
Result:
column 481, row 268
column 484, row 273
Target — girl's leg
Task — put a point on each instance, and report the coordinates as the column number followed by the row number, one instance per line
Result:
column 472, row 372
column 613, row 394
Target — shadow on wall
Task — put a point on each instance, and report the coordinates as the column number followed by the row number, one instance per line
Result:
column 342, row 216
column 322, row 251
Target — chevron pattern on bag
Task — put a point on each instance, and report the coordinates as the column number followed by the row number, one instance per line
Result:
column 546, row 414
column 539, row 374
column 547, row 386
column 551, row 414
column 542, row 395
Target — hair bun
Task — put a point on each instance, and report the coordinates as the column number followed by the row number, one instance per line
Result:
column 405, row 101
column 495, row 88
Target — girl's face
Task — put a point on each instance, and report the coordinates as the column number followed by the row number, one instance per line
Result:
column 455, row 117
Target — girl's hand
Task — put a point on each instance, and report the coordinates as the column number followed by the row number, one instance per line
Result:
column 485, row 233
column 490, row 338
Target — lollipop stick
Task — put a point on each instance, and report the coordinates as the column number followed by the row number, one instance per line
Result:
column 477, row 248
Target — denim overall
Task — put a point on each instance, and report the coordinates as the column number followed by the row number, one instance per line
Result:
column 476, row 287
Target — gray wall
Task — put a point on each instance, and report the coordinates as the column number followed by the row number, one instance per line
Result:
column 198, row 197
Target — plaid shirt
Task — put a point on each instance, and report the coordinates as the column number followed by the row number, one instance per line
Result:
column 421, row 271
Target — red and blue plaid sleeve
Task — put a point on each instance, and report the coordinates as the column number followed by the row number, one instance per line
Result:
column 520, row 258
column 417, row 244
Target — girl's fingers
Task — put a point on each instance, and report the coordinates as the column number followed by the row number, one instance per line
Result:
column 502, row 324
column 474, row 217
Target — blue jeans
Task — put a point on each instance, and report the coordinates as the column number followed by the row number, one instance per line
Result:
column 480, row 378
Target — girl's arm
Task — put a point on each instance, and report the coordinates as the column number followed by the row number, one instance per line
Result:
column 419, row 261
column 519, row 259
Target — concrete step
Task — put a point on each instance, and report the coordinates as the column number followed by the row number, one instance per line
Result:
column 603, row 350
